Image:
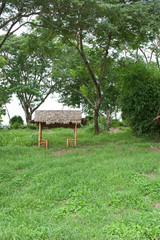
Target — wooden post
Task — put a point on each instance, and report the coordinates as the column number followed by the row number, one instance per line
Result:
column 40, row 134
column 67, row 143
column 47, row 143
column 75, row 135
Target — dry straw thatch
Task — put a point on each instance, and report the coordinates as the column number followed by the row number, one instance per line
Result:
column 58, row 118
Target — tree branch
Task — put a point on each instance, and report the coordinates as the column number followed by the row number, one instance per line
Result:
column 2, row 8
column 104, row 59
column 144, row 54
column 7, row 34
column 49, row 92
column 81, row 51
column 77, row 91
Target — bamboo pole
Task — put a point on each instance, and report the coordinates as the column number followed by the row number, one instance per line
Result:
column 67, row 143
column 40, row 134
column 47, row 143
column 75, row 135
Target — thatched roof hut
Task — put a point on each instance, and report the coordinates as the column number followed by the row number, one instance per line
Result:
column 58, row 118
column 55, row 119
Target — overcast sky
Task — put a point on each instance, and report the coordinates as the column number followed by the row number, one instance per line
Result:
column 14, row 108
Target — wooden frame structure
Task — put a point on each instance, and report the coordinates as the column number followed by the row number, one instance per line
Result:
column 71, row 142
column 42, row 142
column 55, row 119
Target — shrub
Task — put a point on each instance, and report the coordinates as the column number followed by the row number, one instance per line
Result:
column 16, row 125
column 140, row 94
column 116, row 123
column 31, row 126
column 16, row 122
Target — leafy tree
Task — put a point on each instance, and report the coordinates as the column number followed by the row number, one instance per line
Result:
column 140, row 96
column 16, row 13
column 75, row 85
column 28, row 71
column 4, row 91
column 104, row 26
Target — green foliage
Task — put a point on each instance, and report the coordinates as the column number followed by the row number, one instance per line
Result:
column 115, row 123
column 140, row 96
column 16, row 122
column 4, row 90
column 28, row 70
column 31, row 126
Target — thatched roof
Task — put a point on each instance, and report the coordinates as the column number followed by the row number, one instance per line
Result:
column 58, row 118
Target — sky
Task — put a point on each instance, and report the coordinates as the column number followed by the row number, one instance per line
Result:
column 14, row 108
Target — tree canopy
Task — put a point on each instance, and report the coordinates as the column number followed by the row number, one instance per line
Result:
column 105, row 27
column 99, row 31
column 28, row 71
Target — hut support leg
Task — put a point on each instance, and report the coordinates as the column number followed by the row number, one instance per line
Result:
column 73, row 141
column 67, row 142
column 40, row 135
column 75, row 135
column 47, row 143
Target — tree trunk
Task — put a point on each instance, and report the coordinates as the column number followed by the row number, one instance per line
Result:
column 28, row 115
column 96, row 125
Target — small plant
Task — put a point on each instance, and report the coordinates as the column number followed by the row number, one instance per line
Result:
column 116, row 123
column 31, row 126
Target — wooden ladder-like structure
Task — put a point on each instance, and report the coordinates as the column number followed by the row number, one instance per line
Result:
column 73, row 142
column 42, row 142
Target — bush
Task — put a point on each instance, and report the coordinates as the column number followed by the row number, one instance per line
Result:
column 115, row 123
column 16, row 122
column 140, row 97
column 16, row 125
column 31, row 126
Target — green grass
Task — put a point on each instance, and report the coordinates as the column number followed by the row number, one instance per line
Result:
column 108, row 187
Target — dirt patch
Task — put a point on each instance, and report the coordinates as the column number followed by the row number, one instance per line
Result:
column 156, row 205
column 118, row 150
column 64, row 151
column 152, row 175
column 19, row 170
column 121, row 191
column 118, row 214
column 155, row 141
column 135, row 211
column 24, row 187
column 90, row 145
column 154, row 148
column 147, row 196
column 115, row 143
column 115, row 130
column 133, row 148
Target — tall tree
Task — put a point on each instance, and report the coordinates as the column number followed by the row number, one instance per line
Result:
column 75, row 85
column 28, row 71
column 103, row 25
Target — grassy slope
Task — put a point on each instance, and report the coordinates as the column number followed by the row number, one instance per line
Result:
column 108, row 188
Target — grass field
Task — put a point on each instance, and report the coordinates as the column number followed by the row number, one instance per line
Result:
column 108, row 187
